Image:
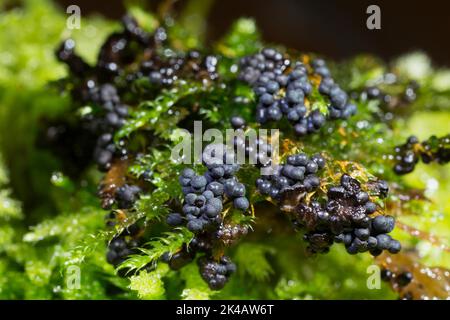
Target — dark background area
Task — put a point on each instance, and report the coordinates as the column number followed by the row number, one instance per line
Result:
column 334, row 28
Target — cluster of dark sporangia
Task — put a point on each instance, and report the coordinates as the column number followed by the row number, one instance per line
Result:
column 129, row 55
column 347, row 217
column 127, row 195
column 165, row 69
column 256, row 151
column 111, row 114
column 119, row 249
column 433, row 149
column 205, row 194
column 114, row 118
column 390, row 102
column 406, row 157
column 98, row 85
column 216, row 273
column 127, row 242
column 95, row 85
column 401, row 279
column 204, row 199
column 123, row 245
column 164, row 72
column 299, row 170
column 340, row 106
column 282, row 86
